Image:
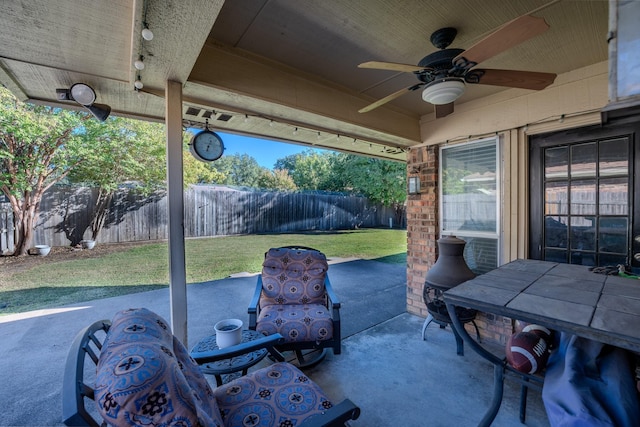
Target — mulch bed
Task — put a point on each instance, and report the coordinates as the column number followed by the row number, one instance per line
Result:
column 13, row 264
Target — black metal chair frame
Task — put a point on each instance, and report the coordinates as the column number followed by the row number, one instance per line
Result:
column 316, row 350
column 77, row 391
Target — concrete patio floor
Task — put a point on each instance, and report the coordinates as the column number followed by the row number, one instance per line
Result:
column 385, row 367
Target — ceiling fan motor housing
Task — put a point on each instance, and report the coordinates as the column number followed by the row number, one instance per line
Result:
column 437, row 64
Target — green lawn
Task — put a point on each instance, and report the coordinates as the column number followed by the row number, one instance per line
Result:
column 145, row 267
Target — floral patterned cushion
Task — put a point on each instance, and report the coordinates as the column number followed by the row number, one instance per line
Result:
column 293, row 276
column 279, row 395
column 296, row 323
column 145, row 376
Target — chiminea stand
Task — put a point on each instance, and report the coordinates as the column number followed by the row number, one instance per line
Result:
column 449, row 270
column 438, row 314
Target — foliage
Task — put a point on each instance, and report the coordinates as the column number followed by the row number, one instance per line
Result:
column 40, row 146
column 310, row 170
column 381, row 181
column 131, row 151
column 238, row 169
column 453, row 182
column 278, row 179
column 197, row 172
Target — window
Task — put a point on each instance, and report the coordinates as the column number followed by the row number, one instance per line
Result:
column 470, row 200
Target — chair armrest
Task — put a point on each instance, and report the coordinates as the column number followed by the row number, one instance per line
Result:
column 268, row 342
column 333, row 298
column 335, row 416
column 253, row 305
column 75, row 387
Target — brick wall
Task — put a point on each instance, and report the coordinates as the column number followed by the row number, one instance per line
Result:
column 422, row 224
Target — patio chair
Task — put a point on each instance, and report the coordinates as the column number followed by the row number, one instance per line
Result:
column 133, row 371
column 294, row 297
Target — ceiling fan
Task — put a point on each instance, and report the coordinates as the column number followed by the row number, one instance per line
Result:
column 443, row 73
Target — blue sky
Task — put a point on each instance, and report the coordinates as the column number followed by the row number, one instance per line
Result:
column 266, row 152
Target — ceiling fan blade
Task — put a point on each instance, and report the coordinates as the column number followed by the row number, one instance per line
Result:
column 509, row 35
column 443, row 110
column 391, row 66
column 511, row 78
column 387, row 99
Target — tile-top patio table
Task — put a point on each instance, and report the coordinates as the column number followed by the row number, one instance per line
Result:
column 562, row 297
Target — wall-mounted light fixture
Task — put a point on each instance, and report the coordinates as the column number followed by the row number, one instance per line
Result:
column 84, row 95
column 413, row 186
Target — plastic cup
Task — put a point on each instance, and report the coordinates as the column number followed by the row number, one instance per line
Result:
column 228, row 332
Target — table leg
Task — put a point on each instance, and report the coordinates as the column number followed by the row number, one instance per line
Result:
column 459, row 342
column 498, row 388
column 498, row 365
column 218, row 379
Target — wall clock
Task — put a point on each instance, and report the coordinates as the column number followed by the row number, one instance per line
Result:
column 206, row 145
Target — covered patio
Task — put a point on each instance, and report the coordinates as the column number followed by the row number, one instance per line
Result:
column 385, row 366
column 289, row 71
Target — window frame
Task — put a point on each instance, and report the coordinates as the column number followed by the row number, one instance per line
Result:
column 496, row 234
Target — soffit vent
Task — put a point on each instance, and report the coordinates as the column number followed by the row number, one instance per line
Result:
column 193, row 111
column 224, row 117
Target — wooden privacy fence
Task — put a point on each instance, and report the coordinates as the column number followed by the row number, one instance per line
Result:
column 65, row 214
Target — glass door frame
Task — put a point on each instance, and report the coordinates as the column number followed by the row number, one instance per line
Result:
column 538, row 143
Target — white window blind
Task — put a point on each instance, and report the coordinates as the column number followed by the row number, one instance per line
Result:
column 469, row 200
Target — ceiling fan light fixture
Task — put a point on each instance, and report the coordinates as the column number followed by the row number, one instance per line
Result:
column 443, row 91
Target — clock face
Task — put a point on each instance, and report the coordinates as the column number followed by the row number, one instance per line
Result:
column 206, row 146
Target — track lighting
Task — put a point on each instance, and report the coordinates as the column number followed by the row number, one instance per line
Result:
column 138, row 83
column 147, row 34
column 139, row 64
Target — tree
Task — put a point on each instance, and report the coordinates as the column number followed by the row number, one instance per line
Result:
column 136, row 154
column 132, row 151
column 381, row 181
column 39, row 146
column 239, row 169
column 311, row 169
column 197, row 172
column 277, row 180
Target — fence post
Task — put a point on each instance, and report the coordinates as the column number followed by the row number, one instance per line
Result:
column 7, row 231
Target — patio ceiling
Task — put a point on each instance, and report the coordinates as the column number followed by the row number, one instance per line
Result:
column 267, row 67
